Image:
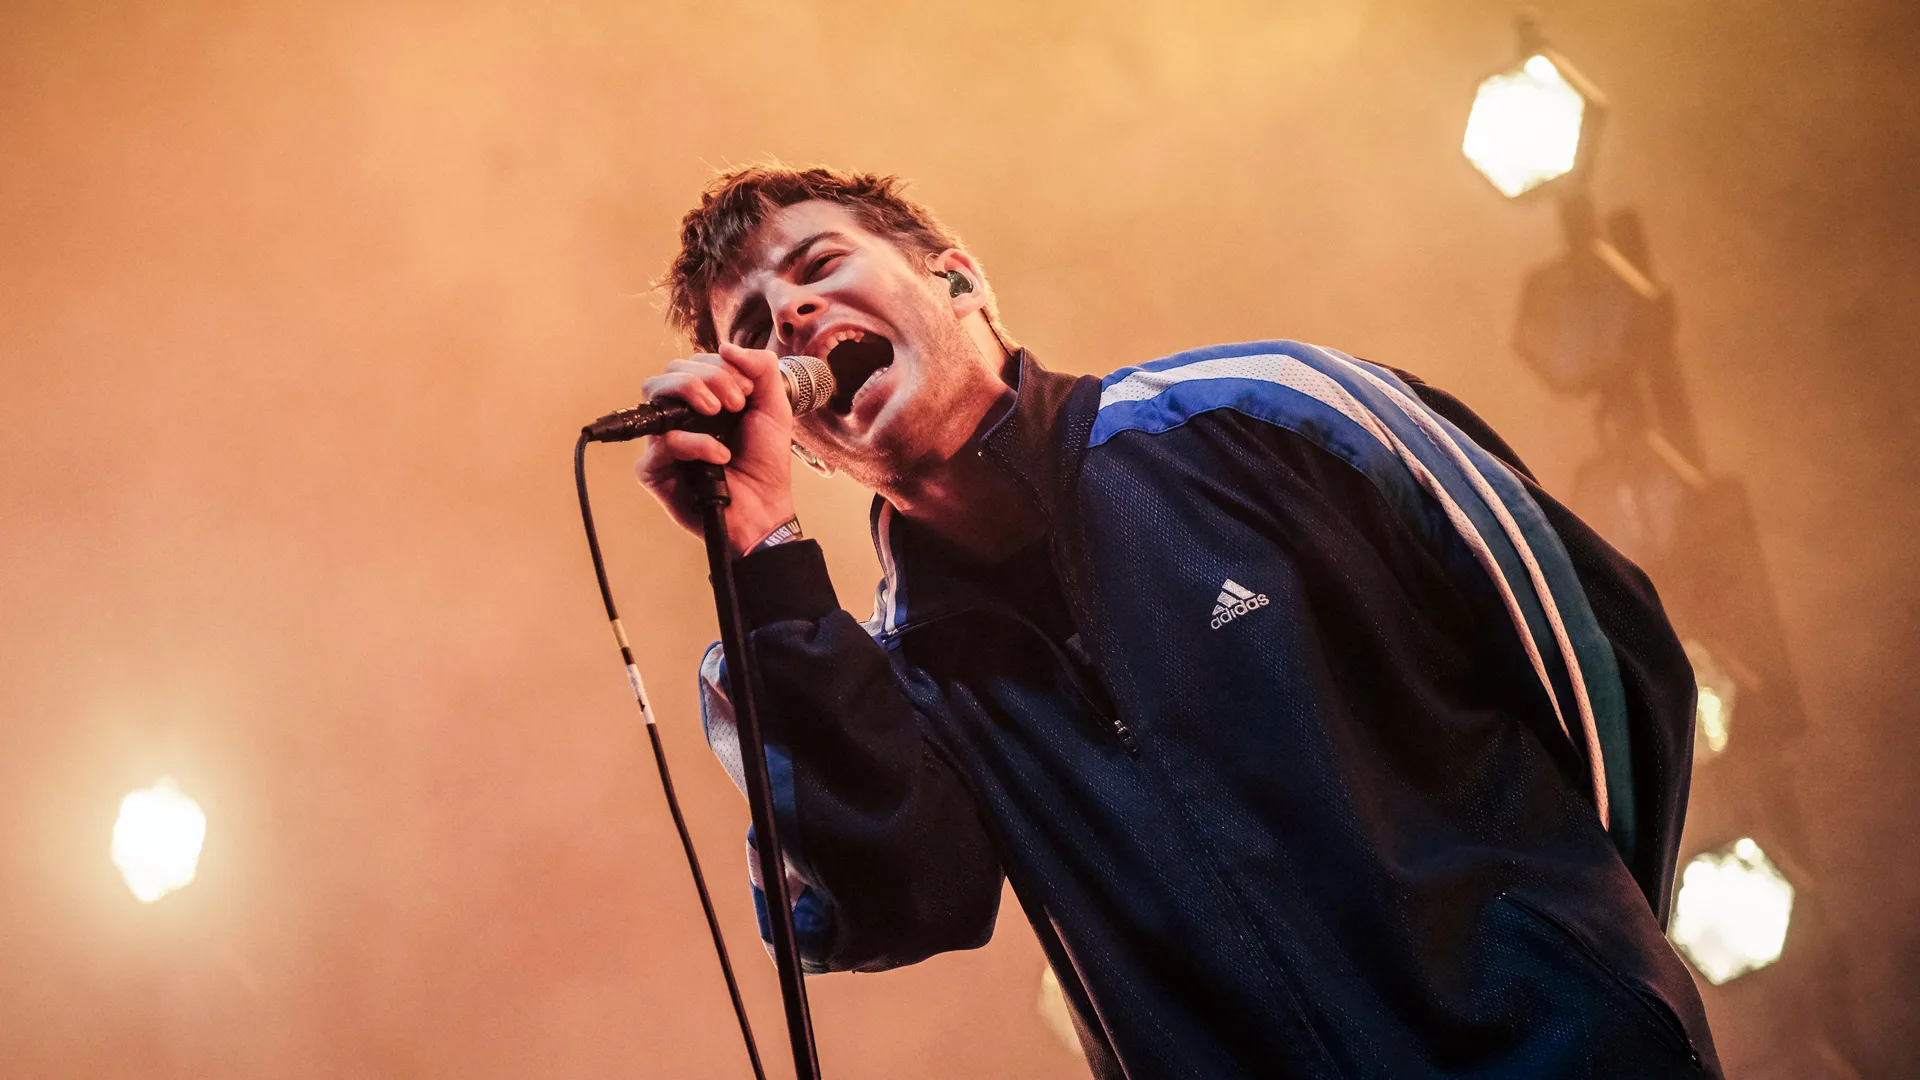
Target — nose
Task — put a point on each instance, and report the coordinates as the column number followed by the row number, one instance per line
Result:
column 794, row 310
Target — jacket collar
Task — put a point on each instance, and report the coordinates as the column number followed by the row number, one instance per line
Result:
column 1039, row 442
column 1042, row 438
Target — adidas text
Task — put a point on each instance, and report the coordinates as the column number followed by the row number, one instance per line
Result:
column 1234, row 601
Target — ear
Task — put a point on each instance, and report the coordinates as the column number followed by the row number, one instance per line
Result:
column 969, row 301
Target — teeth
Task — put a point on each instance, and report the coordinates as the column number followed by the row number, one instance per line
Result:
column 867, row 382
column 828, row 344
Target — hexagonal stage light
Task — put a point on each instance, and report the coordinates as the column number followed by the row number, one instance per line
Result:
column 1731, row 914
column 1532, row 124
column 157, row 839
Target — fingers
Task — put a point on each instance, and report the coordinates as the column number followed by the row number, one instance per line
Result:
column 730, row 384
column 705, row 382
column 759, row 365
column 659, row 462
column 659, row 466
column 752, row 362
column 745, row 381
column 684, row 386
column 693, row 446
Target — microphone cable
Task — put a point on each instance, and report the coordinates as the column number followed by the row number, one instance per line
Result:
column 660, row 755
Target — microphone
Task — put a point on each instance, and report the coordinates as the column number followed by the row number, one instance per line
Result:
column 809, row 385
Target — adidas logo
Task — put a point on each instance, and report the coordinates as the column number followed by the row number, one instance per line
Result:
column 1234, row 601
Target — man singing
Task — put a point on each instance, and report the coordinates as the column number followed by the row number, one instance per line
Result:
column 1314, row 738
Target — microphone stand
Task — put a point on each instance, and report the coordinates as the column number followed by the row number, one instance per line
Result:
column 710, row 493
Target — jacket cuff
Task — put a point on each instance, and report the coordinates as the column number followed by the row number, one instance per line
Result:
column 786, row 581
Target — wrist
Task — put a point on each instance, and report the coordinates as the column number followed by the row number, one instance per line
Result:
column 785, row 532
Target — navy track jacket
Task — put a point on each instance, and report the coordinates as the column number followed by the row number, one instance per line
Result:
column 1323, row 743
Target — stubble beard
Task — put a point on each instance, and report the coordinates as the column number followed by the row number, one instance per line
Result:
column 934, row 425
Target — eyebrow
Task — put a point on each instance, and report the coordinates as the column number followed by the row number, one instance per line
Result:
column 794, row 254
column 798, row 251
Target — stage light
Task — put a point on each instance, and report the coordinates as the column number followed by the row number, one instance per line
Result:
column 1586, row 318
column 157, row 839
column 1592, row 316
column 1055, row 1013
column 1731, row 914
column 1525, row 127
column 1713, row 706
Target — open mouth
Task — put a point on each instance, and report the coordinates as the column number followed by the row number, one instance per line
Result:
column 855, row 361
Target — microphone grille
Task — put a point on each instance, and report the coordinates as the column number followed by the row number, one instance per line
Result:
column 809, row 382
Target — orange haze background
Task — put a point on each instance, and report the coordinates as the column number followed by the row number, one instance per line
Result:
column 302, row 304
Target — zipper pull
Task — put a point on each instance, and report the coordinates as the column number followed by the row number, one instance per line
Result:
column 1078, row 651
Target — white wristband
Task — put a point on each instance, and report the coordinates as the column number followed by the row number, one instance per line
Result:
column 786, row 532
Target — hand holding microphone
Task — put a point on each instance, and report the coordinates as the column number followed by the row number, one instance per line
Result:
column 766, row 391
column 809, row 383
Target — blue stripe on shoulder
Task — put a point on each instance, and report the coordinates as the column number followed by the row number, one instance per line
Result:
column 1265, row 400
column 1177, row 397
column 1279, row 346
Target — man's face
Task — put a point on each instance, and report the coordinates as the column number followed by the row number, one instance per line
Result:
column 910, row 384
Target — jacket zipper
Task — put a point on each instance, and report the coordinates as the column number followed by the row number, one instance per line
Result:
column 1077, row 661
column 1077, row 653
column 1065, row 657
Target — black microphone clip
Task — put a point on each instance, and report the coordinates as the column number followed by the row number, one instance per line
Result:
column 658, row 418
column 809, row 385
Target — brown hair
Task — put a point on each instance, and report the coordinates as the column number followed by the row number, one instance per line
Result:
column 736, row 202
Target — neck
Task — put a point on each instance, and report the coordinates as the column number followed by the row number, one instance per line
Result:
column 965, row 501
column 971, row 506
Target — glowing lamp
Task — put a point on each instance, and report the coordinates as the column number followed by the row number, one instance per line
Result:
column 1730, row 916
column 157, row 838
column 1715, row 694
column 1055, row 1013
column 1527, row 124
